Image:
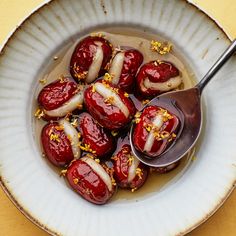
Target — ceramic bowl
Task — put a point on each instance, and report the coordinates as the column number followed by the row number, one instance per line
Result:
column 44, row 197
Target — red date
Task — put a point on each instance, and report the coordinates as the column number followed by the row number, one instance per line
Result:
column 60, row 98
column 100, row 141
column 155, row 131
column 89, row 179
column 60, row 142
column 109, row 105
column 90, row 58
column 124, row 67
column 157, row 77
column 129, row 172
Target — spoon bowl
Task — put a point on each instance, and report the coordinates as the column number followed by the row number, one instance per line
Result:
column 186, row 105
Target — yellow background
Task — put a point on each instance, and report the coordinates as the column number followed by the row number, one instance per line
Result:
column 13, row 223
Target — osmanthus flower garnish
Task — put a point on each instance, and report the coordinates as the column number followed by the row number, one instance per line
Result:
column 155, row 130
column 59, row 99
column 161, row 47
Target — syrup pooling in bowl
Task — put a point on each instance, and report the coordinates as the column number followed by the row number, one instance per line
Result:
column 59, row 65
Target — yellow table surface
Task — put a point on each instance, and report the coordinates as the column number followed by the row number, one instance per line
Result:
column 13, row 223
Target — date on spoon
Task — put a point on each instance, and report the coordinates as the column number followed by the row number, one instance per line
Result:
column 186, row 106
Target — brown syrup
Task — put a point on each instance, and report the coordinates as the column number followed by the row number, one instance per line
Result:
column 59, row 65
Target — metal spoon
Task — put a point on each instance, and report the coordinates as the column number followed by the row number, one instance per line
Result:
column 186, row 104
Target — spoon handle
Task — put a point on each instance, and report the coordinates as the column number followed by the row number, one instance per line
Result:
column 217, row 66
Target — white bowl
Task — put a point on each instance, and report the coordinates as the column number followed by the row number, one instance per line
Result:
column 44, row 197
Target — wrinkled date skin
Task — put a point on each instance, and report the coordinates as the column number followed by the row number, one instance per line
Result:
column 108, row 115
column 166, row 169
column 87, row 182
column 159, row 144
column 131, row 63
column 57, row 93
column 60, row 98
column 84, row 55
column 100, row 140
column 123, row 162
column 56, row 145
column 157, row 73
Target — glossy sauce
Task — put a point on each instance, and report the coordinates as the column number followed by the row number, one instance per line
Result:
column 59, row 65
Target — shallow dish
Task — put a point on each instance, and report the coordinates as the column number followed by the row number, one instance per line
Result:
column 41, row 195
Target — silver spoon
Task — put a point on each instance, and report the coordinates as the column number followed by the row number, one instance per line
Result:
column 186, row 104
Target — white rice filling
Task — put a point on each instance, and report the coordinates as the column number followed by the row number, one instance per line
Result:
column 67, row 107
column 108, row 93
column 72, row 134
column 116, row 67
column 96, row 64
column 164, row 86
column 157, row 122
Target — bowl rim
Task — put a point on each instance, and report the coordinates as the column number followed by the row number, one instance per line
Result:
column 8, row 193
